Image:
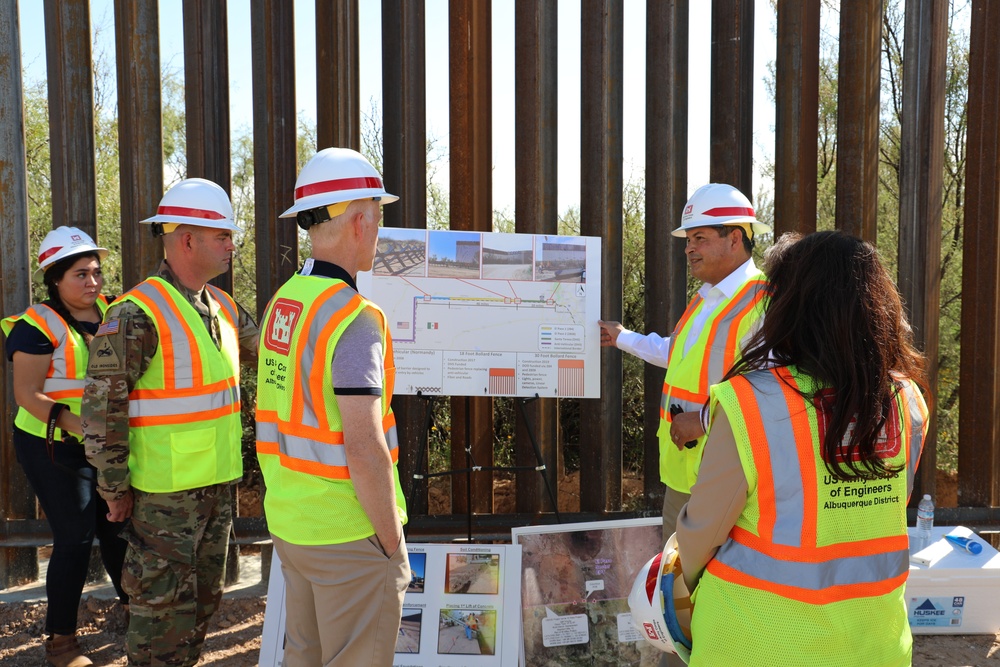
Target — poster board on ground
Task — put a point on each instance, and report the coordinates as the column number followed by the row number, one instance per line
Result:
column 490, row 314
column 575, row 581
column 460, row 609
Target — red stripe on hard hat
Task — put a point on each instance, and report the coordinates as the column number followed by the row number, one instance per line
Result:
column 653, row 576
column 48, row 253
column 338, row 184
column 189, row 212
column 729, row 211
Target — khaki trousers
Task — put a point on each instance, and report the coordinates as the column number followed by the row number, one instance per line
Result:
column 343, row 602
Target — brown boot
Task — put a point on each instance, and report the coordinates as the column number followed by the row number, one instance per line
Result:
column 64, row 651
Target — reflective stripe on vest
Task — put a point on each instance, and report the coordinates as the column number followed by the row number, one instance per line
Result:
column 309, row 441
column 781, row 554
column 716, row 360
column 185, row 396
column 65, row 377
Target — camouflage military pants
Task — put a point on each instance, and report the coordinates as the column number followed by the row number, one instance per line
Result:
column 174, row 571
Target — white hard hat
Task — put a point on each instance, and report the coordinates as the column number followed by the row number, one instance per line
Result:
column 63, row 242
column 336, row 175
column 719, row 204
column 661, row 603
column 198, row 202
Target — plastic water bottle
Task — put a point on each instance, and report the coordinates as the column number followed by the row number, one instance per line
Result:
column 925, row 520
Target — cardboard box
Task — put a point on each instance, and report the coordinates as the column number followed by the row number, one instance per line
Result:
column 958, row 593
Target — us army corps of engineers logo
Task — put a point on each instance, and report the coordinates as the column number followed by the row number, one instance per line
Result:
column 278, row 331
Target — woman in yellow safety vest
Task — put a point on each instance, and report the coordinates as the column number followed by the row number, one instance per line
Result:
column 795, row 533
column 48, row 345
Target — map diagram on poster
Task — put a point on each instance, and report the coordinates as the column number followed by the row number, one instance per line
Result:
column 490, row 314
column 575, row 581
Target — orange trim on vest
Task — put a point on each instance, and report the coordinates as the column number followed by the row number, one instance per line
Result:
column 185, row 418
column 184, row 393
column 807, row 456
column 65, row 393
column 322, row 435
column 810, row 553
column 761, row 457
column 730, row 354
column 318, row 371
column 298, row 405
column 196, row 369
column 165, row 338
column 688, row 312
column 222, row 297
column 825, row 596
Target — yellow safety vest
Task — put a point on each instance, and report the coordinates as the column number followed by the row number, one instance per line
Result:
column 68, row 368
column 184, row 412
column 690, row 374
column 813, row 572
column 300, row 440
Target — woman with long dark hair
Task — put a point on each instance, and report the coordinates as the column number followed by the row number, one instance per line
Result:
column 795, row 534
column 48, row 344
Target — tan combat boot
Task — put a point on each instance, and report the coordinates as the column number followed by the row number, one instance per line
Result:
column 64, row 651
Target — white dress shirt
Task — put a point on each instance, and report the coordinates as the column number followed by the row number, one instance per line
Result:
column 653, row 348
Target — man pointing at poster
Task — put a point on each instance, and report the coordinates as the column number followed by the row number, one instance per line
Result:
column 720, row 226
column 326, row 436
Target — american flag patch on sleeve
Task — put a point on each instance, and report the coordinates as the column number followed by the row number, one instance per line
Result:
column 108, row 328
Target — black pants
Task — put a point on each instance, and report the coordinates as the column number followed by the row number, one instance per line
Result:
column 67, row 492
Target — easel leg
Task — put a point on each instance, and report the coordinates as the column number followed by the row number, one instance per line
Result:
column 419, row 472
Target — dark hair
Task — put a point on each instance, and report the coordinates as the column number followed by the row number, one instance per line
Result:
column 726, row 230
column 54, row 274
column 834, row 312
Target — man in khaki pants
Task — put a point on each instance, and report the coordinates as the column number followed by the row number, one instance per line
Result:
column 326, row 436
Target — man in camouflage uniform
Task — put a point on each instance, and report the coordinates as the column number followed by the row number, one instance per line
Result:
column 144, row 442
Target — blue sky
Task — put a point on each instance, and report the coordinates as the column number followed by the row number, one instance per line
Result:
column 171, row 47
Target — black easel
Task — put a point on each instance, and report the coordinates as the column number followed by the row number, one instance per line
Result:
column 420, row 475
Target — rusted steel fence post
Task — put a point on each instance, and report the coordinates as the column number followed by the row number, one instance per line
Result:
column 140, row 137
column 979, row 391
column 274, row 137
column 925, row 51
column 471, row 206
column 206, row 99
column 71, row 114
column 858, row 80
column 732, row 94
column 601, row 215
column 404, row 169
column 17, row 501
column 338, row 110
column 536, row 124
column 796, row 117
column 666, row 193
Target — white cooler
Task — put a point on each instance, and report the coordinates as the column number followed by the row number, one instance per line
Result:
column 956, row 593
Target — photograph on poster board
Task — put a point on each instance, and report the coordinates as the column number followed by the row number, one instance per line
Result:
column 408, row 639
column 401, row 252
column 473, row 574
column 453, row 254
column 495, row 315
column 465, row 631
column 508, row 257
column 575, row 582
column 561, row 259
column 418, row 565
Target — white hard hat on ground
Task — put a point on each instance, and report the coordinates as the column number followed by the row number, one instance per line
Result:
column 335, row 176
column 661, row 603
column 63, row 242
column 719, row 204
column 195, row 201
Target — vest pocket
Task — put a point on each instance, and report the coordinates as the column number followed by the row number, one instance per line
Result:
column 195, row 459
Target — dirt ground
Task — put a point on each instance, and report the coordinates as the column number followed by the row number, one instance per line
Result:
column 235, row 634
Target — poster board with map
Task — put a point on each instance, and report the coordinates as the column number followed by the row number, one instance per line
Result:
column 489, row 314
column 575, row 581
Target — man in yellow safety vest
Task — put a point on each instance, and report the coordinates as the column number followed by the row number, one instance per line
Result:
column 161, row 423
column 719, row 226
column 326, row 436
